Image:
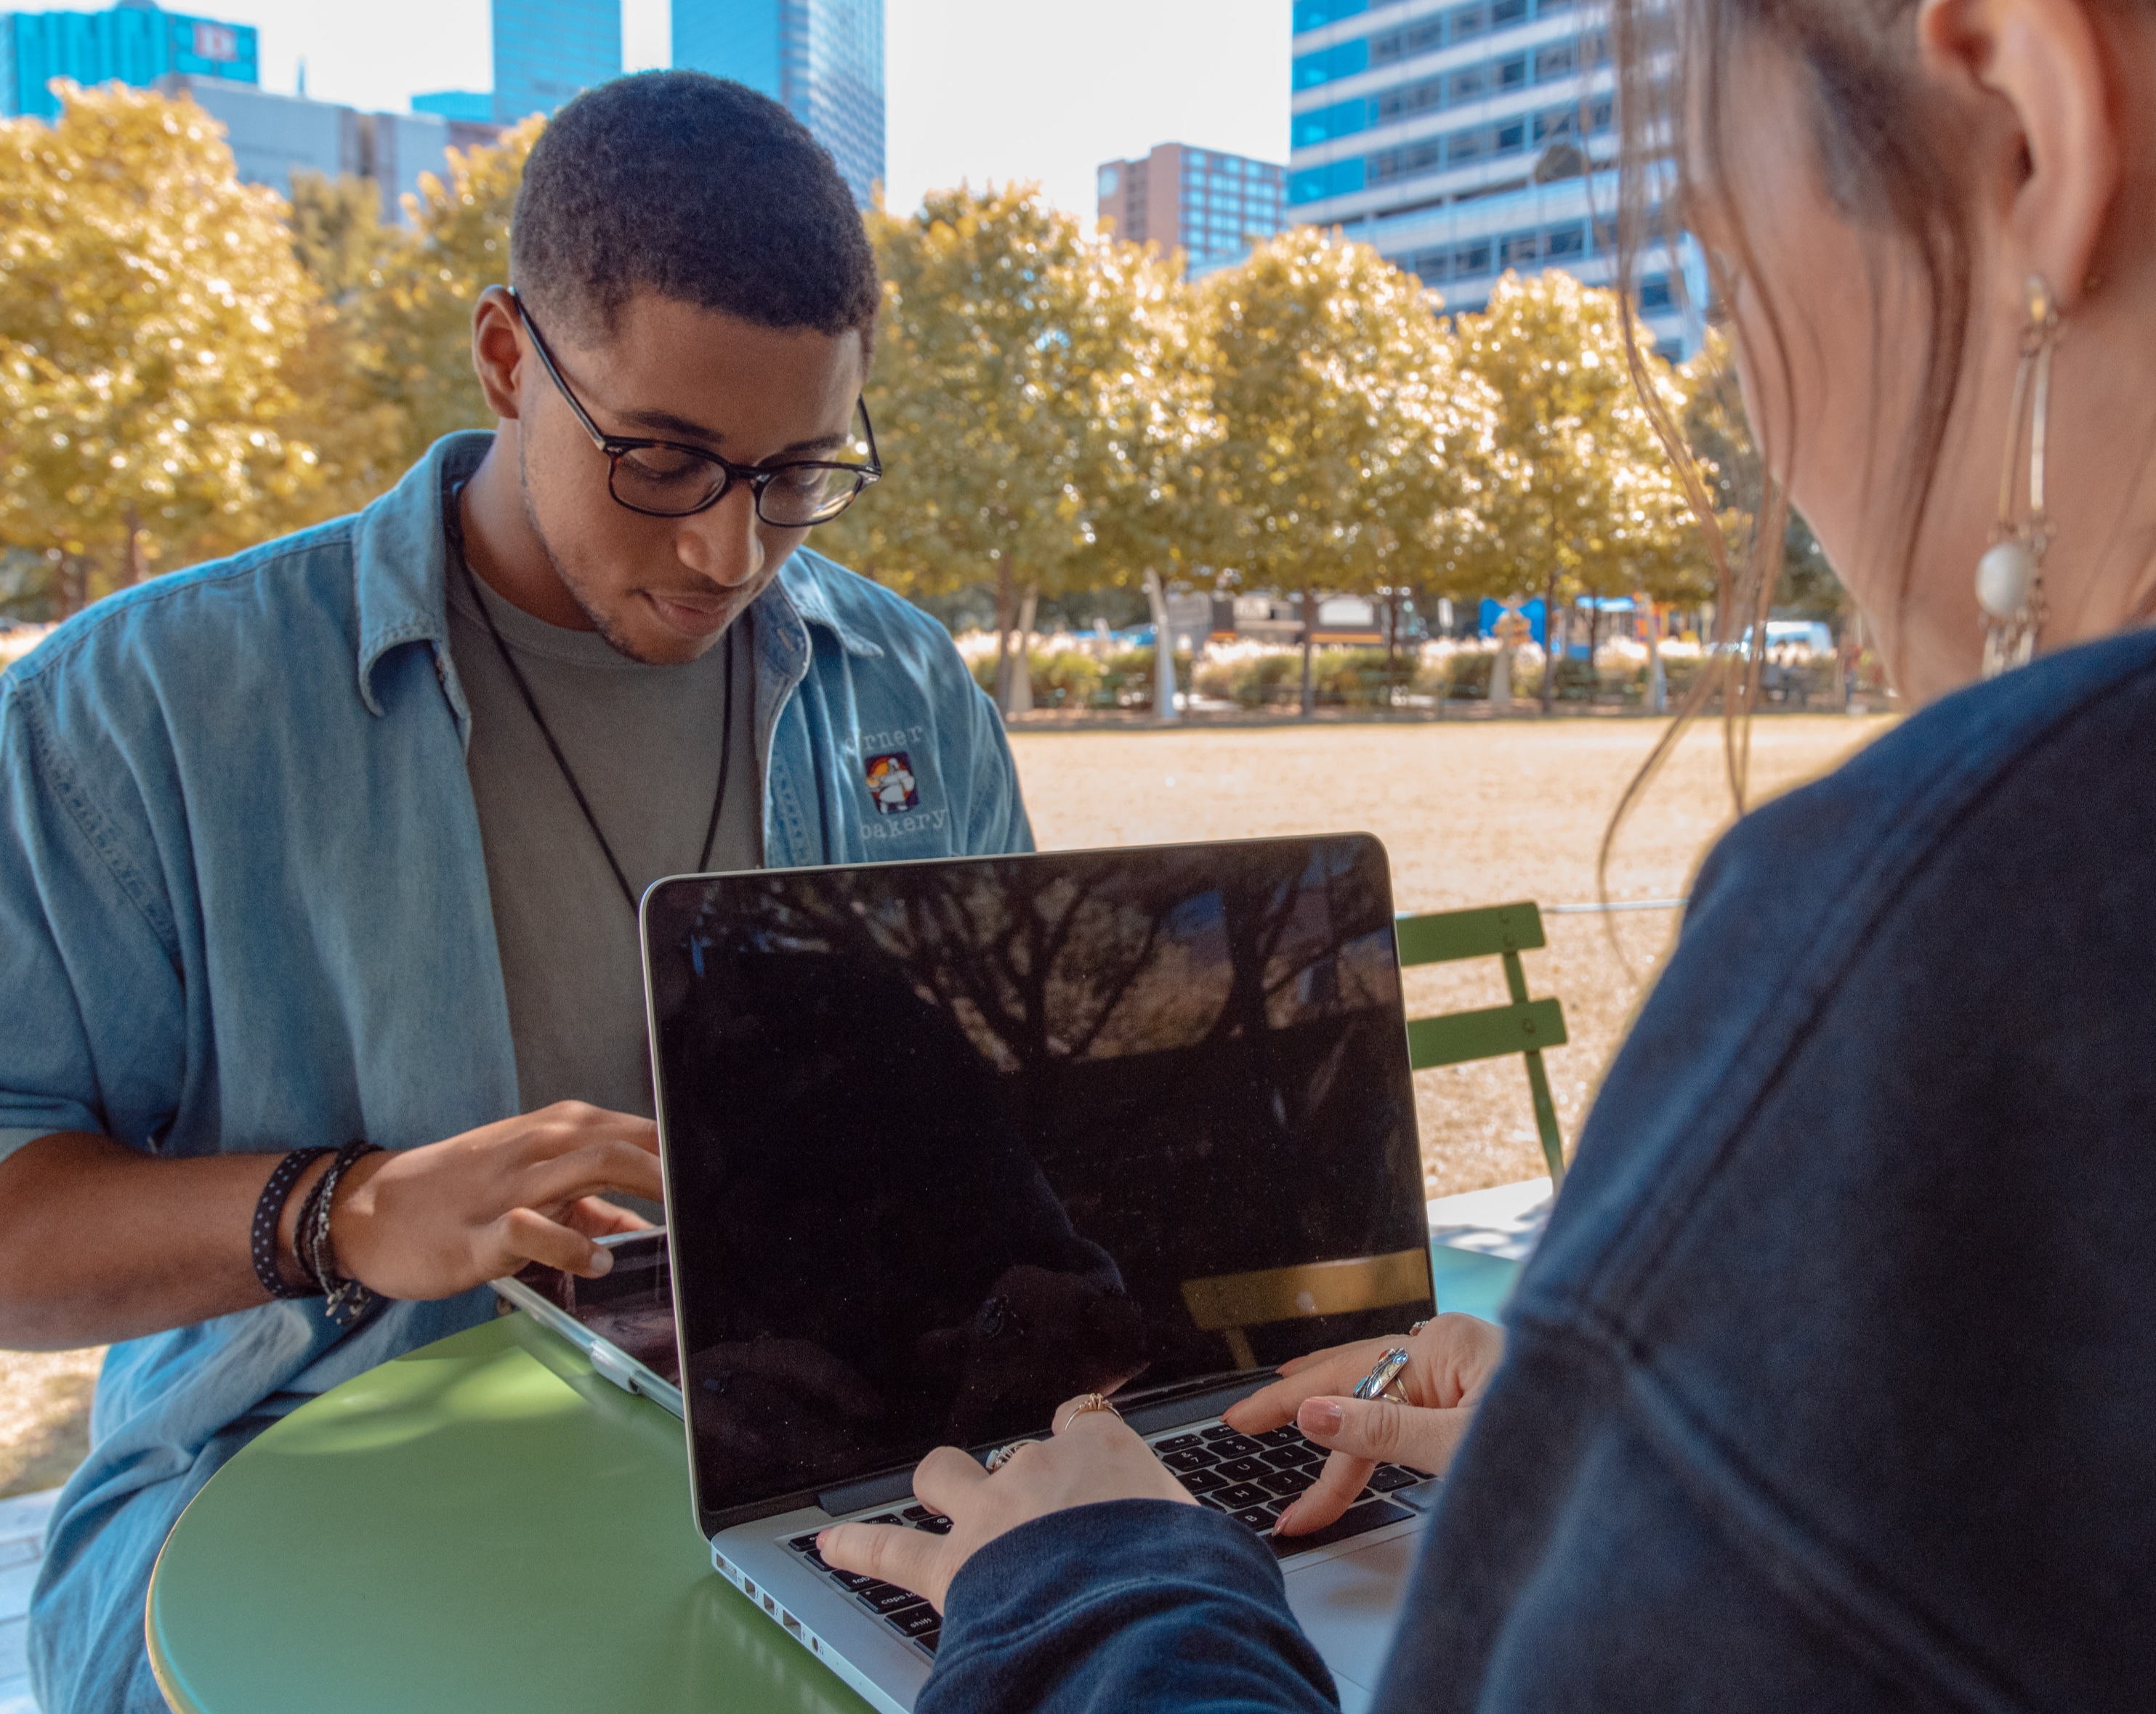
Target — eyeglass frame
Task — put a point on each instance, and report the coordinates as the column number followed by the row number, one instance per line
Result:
column 758, row 478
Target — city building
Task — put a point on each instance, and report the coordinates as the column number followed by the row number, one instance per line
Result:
column 133, row 43
column 1208, row 205
column 273, row 136
column 1461, row 141
column 821, row 59
column 469, row 114
column 545, row 51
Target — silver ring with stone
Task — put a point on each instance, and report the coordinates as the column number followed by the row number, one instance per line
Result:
column 1003, row 1454
column 1383, row 1380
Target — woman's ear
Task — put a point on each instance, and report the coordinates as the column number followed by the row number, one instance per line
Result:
column 2045, row 60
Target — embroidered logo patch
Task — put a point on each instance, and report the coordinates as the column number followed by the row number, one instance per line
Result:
column 891, row 783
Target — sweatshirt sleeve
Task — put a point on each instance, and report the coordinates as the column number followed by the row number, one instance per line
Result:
column 1132, row 1606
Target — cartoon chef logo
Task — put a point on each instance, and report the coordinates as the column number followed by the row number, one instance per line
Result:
column 891, row 783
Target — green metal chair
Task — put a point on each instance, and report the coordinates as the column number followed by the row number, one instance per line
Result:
column 1525, row 1027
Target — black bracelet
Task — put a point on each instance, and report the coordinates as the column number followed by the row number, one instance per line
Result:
column 349, row 1300
column 268, row 1212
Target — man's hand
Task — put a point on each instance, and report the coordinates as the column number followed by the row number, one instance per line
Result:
column 431, row 1222
column 171, row 1236
column 1450, row 1366
column 1094, row 1456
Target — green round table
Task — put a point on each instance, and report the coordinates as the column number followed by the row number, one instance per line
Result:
column 483, row 1525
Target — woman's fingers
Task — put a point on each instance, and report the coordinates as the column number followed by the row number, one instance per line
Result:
column 1336, row 1370
column 946, row 1479
column 1335, row 1489
column 911, row 1558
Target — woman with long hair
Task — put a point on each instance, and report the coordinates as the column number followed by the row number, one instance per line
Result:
column 1833, row 1384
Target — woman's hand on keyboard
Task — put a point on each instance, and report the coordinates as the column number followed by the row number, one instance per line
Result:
column 1450, row 1366
column 1094, row 1455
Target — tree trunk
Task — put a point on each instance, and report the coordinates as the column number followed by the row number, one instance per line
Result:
column 1593, row 644
column 1021, row 685
column 1549, row 635
column 1658, row 682
column 1392, row 638
column 1163, row 647
column 73, row 585
column 138, row 557
column 1309, row 625
column 1006, row 611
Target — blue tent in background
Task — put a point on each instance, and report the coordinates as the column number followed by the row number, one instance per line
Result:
column 1533, row 612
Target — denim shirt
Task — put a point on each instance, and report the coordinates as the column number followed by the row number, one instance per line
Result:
column 243, row 908
column 1831, row 1384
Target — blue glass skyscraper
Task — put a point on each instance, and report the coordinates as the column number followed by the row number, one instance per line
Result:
column 1468, row 140
column 135, row 44
column 822, row 59
column 546, row 50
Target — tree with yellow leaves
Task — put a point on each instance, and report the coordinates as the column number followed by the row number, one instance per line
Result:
column 1580, row 497
column 1349, row 434
column 152, row 316
column 402, row 299
column 982, row 400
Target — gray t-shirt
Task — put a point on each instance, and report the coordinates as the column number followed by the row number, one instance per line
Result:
column 643, row 743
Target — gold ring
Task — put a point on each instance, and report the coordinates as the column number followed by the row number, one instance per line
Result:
column 1090, row 1401
column 1003, row 1454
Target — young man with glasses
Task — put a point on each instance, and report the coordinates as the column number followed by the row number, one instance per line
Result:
column 320, row 1002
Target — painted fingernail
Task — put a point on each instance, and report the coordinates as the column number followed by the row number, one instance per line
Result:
column 1318, row 1416
column 601, row 1263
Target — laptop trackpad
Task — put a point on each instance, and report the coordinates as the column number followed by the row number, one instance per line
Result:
column 1348, row 1606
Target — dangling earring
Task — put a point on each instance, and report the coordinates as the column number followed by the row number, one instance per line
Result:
column 2010, row 578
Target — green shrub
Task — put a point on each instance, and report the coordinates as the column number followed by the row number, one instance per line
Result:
column 1126, row 679
column 1073, row 678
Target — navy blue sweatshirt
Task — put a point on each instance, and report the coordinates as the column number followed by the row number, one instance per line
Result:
column 1832, row 1385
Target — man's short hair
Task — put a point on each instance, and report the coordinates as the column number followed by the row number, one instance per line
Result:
column 696, row 189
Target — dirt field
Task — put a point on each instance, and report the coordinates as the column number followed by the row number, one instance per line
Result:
column 1473, row 813
column 1476, row 813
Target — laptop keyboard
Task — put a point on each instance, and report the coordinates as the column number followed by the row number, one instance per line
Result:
column 1252, row 1478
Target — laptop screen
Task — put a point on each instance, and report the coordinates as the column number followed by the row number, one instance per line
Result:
column 947, row 1142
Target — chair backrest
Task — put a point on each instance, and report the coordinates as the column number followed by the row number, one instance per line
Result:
column 1227, row 1304
column 1525, row 1027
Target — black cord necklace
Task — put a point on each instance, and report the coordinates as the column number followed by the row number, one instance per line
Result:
column 454, row 530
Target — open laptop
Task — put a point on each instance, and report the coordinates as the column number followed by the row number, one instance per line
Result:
column 946, row 1143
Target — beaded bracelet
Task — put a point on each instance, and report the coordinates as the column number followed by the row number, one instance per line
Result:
column 349, row 1300
column 268, row 1211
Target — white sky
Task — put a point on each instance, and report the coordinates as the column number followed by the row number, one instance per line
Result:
column 978, row 89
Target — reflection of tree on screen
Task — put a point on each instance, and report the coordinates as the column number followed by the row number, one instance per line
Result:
column 1039, row 965
column 845, row 1296
column 1184, row 1009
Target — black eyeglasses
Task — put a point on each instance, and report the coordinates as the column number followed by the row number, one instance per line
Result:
column 664, row 479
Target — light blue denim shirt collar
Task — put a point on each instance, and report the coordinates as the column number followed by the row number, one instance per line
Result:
column 401, row 570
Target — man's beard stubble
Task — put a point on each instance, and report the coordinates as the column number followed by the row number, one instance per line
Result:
column 609, row 633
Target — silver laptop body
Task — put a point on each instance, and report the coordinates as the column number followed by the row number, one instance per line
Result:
column 947, row 1142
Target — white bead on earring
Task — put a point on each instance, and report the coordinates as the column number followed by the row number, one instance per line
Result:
column 2010, row 578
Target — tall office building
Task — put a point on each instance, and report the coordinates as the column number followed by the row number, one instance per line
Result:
column 1462, row 141
column 272, row 136
column 133, row 43
column 1208, row 205
column 545, row 51
column 821, row 59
